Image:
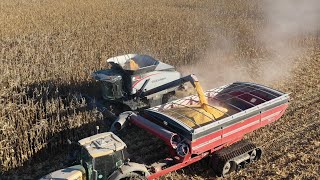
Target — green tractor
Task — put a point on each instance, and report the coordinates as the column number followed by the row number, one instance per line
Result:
column 103, row 156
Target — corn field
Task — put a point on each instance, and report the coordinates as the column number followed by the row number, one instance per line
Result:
column 48, row 50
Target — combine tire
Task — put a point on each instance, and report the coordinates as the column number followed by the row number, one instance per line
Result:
column 233, row 157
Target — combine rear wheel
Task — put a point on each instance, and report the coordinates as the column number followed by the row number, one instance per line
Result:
column 233, row 157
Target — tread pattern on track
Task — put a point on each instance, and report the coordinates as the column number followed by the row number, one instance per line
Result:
column 220, row 157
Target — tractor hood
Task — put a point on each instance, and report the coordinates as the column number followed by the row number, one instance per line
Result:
column 70, row 173
column 102, row 144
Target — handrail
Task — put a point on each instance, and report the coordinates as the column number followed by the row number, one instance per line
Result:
column 194, row 122
column 196, row 110
column 208, row 105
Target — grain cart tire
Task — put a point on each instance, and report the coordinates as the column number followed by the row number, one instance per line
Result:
column 224, row 160
column 228, row 168
column 223, row 168
column 255, row 154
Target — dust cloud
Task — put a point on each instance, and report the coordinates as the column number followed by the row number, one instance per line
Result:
column 219, row 66
column 286, row 24
column 289, row 21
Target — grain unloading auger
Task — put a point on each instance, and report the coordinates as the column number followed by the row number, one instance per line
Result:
column 210, row 125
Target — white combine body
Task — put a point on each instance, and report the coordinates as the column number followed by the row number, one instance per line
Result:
column 131, row 75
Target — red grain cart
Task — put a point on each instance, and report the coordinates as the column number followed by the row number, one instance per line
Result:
column 249, row 106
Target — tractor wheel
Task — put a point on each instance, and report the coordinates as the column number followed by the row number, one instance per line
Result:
column 134, row 176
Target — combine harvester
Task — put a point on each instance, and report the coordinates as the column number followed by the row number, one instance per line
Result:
column 130, row 75
column 210, row 125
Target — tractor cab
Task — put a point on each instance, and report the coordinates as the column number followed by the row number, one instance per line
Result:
column 102, row 154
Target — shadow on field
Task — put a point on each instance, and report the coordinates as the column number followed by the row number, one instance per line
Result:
column 54, row 155
column 69, row 99
column 66, row 92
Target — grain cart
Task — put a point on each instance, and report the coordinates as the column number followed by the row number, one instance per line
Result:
column 130, row 75
column 208, row 125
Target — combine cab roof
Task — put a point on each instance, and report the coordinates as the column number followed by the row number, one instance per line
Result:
column 144, row 63
column 232, row 103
